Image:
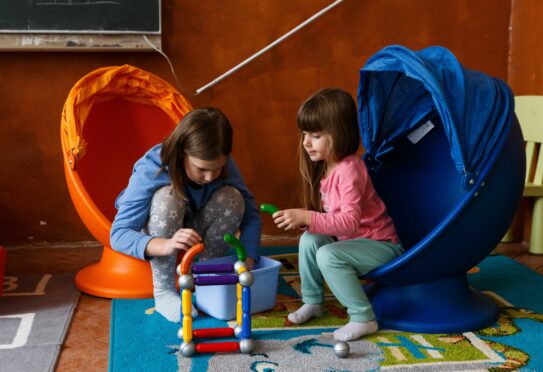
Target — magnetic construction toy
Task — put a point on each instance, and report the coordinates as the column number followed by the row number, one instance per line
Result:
column 241, row 276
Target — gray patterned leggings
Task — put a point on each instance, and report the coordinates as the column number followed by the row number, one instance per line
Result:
column 222, row 214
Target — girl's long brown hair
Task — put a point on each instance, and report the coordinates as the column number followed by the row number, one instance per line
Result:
column 333, row 111
column 203, row 133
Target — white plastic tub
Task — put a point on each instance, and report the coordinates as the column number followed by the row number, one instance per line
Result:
column 219, row 301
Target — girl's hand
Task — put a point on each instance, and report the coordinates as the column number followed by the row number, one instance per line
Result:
column 289, row 219
column 183, row 239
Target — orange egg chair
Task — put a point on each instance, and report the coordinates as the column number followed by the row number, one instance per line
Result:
column 111, row 117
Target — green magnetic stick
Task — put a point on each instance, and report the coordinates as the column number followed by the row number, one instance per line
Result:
column 234, row 242
column 268, row 208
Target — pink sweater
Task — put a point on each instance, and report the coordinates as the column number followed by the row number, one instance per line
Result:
column 352, row 207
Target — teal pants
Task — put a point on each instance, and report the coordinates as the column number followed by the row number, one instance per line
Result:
column 340, row 263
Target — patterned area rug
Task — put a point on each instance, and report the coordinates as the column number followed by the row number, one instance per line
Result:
column 142, row 340
column 35, row 313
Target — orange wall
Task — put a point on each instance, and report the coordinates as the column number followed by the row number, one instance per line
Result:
column 526, row 58
column 525, row 76
column 204, row 39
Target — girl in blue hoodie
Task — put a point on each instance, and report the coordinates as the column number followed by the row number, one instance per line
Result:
column 183, row 191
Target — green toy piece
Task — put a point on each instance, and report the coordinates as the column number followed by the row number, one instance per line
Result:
column 268, row 208
column 234, row 242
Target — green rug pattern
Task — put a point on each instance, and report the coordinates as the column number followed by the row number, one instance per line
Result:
column 513, row 343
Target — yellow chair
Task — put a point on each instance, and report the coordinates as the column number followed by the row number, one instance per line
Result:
column 529, row 111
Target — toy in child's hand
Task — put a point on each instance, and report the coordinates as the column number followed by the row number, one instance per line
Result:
column 268, row 208
column 271, row 209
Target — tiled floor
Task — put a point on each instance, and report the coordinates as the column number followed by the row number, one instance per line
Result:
column 87, row 344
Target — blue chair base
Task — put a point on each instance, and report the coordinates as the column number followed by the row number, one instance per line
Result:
column 442, row 306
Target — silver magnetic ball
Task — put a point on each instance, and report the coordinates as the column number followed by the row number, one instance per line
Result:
column 180, row 333
column 342, row 349
column 246, row 345
column 246, row 279
column 237, row 331
column 239, row 264
column 178, row 269
column 186, row 282
column 187, row 349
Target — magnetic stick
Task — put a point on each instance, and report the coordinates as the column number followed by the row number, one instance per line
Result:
column 268, row 208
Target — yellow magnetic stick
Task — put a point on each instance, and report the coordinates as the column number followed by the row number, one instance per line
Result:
column 239, row 287
column 186, row 300
column 239, row 313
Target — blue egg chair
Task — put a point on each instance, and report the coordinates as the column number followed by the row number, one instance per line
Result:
column 446, row 154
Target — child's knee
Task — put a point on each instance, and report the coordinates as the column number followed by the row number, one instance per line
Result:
column 166, row 213
column 165, row 199
column 228, row 197
column 311, row 243
column 326, row 256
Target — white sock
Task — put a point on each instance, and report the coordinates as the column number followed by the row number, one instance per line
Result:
column 352, row 330
column 306, row 312
column 168, row 304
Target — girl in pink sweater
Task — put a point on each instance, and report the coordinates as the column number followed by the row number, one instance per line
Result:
column 348, row 231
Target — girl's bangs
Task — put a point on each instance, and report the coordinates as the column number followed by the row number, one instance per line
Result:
column 309, row 121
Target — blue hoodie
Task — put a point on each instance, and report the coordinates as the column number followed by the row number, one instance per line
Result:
column 134, row 202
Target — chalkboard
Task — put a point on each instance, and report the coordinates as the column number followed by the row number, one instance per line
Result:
column 80, row 16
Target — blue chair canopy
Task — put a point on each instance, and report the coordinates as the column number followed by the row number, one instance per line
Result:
column 400, row 88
